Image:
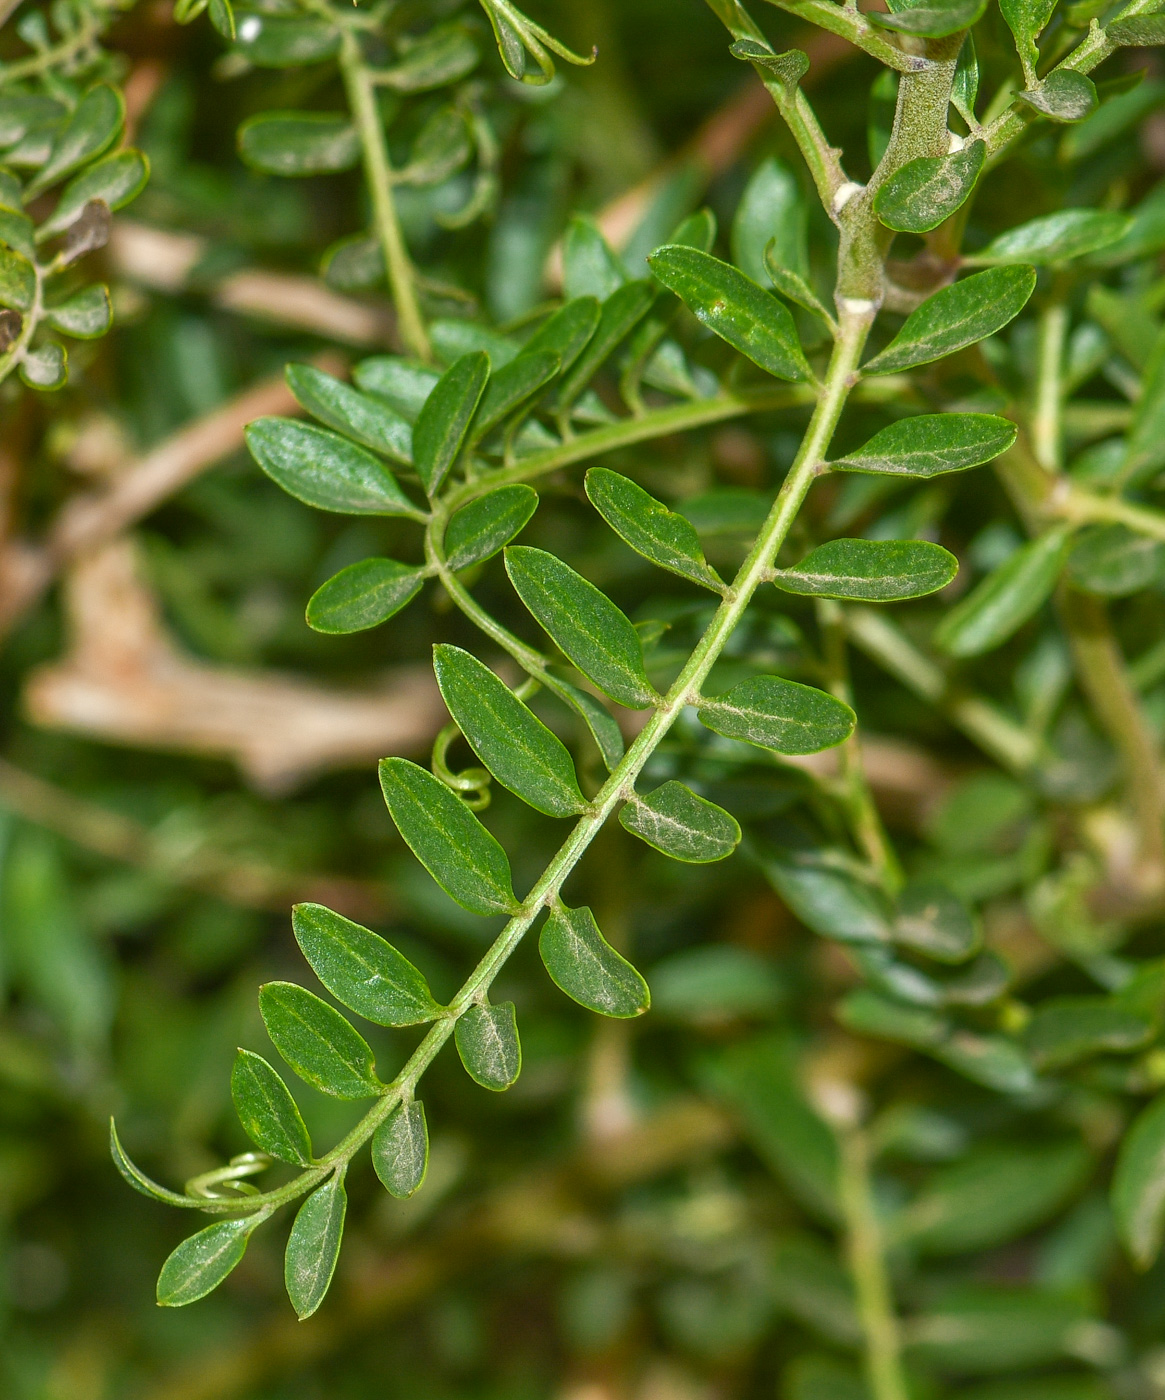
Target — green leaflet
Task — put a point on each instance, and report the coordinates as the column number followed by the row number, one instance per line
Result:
column 487, row 1041
column 584, row 623
column 1069, row 233
column 619, row 315
column 135, row 1177
column 681, row 825
column 771, row 215
column 750, row 319
column 269, row 1115
column 313, row 1246
column 17, row 281
column 454, row 338
column 778, row 714
column 956, row 317
column 363, row 595
column 365, row 417
column 829, row 901
column 583, row 964
column 935, row 922
column 317, row 1042
column 325, row 470
column 1006, row 598
column 16, row 229
column 479, row 530
column 361, row 969
column 1027, row 19
column 201, row 1262
column 589, row 267
column 878, row 571
column 299, row 143
column 114, row 180
column 604, row 730
column 284, row 41
column 793, row 287
column 1064, row 96
column 931, row 19
column 1065, row 1030
column 1138, row 1185
column 449, row 841
column 931, row 444
column 400, row 1150
column 919, row 195
column 92, row 127
column 567, row 332
column 403, row 384
column 441, row 148
column 86, row 315
column 45, row 367
column 1114, row 561
column 444, row 55
column 869, row 1013
column 511, row 386
column 1143, row 31
column 443, row 422
column 649, row 527
column 516, row 747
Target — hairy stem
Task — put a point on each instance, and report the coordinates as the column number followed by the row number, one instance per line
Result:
column 378, row 172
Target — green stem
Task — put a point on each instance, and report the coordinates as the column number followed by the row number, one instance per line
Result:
column 875, row 1300
column 378, row 172
column 1049, row 396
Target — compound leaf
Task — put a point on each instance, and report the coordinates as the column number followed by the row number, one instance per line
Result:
column 722, row 298
column 317, row 1042
column 449, row 841
column 400, row 1150
column 269, row 1115
column 361, row 969
column 584, row 623
column 487, row 1041
column 583, row 964
column 363, row 595
column 662, row 536
column 313, row 1246
column 931, row 444
column 443, row 422
column 682, row 825
column 201, row 1262
column 956, row 317
column 1005, row 599
column 325, row 470
column 878, row 571
column 479, row 530
column 512, row 742
column 778, row 714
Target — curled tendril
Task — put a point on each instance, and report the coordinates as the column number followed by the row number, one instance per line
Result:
column 225, row 1182
column 518, row 36
column 472, row 784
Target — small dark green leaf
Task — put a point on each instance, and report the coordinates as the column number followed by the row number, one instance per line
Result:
column 1142, row 32
column 771, row 215
column 1064, row 96
column 1138, row 1185
column 365, row 417
column 313, row 1246
column 487, row 1041
column 931, row 19
column 17, row 281
column 919, row 195
column 512, row 742
column 444, row 420
column 200, row 1263
column 325, row 470
column 935, row 922
column 511, row 386
column 1065, row 1030
column 589, row 628
column 444, row 55
column 299, row 143
column 869, row 1013
column 681, row 825
column 403, row 384
column 877, row 571
column 778, row 714
column 567, row 332
column 749, row 318
column 829, row 901
column 400, row 1150
column 448, row 840
column 114, row 180
column 589, row 267
column 85, row 316
column 45, row 366
column 361, row 969
column 1114, row 561
column 649, row 527
column 604, row 730
column 92, row 127
column 22, row 112
column 363, row 595
column 317, row 1042
column 583, row 964
column 477, row 531
column 1005, row 599
column 618, row 316
column 1069, row 233
column 931, row 444
column 283, row 41
column 269, row 1115
column 956, row 317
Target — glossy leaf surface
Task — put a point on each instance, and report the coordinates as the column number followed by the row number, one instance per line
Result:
column 681, row 824
column 443, row 422
column 269, row 1115
column 400, row 1150
column 931, row 444
column 487, row 1041
column 662, row 536
column 919, row 195
column 778, row 714
column 325, row 470
column 363, row 595
column 365, row 417
column 878, row 571
column 479, row 530
column 583, row 964
column 323, row 1048
column 202, row 1261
